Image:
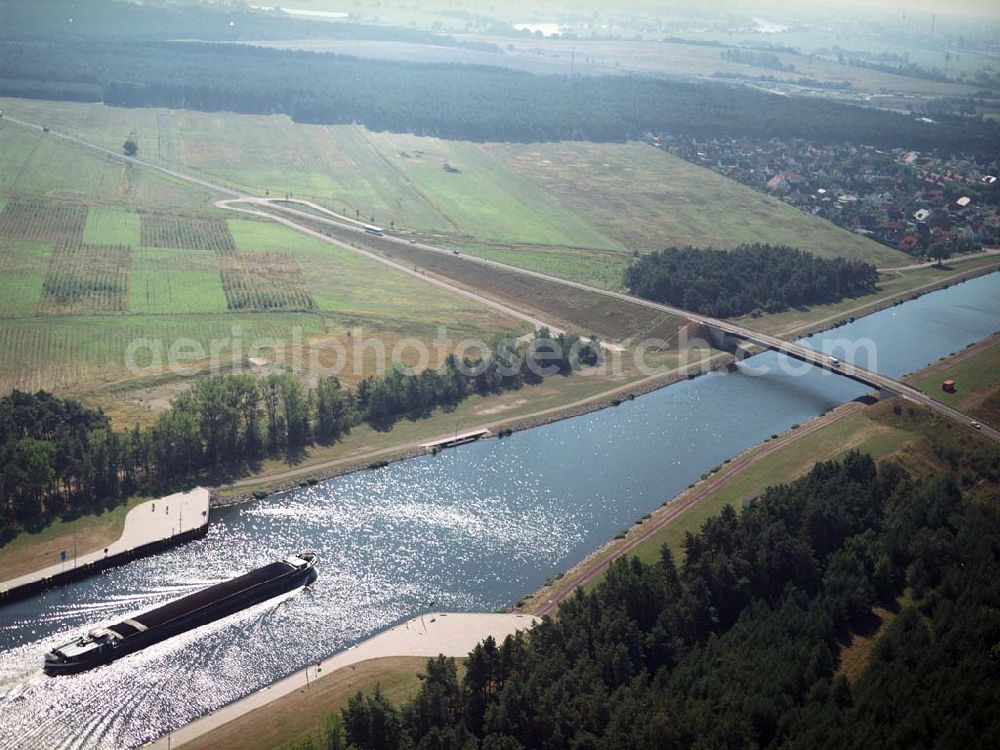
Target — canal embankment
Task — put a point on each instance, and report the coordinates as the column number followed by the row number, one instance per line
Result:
column 452, row 634
column 472, row 529
column 149, row 527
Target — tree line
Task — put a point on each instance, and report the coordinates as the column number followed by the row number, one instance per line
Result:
column 756, row 58
column 60, row 459
column 738, row 646
column 749, row 279
column 125, row 20
column 468, row 102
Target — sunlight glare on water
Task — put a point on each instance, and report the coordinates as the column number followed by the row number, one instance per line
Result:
column 474, row 528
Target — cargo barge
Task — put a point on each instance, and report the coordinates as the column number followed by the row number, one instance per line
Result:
column 104, row 645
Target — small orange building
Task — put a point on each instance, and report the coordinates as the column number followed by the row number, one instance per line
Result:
column 948, row 386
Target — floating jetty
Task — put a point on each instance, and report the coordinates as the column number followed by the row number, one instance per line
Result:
column 459, row 438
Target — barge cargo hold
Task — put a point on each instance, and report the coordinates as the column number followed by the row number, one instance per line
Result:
column 104, row 645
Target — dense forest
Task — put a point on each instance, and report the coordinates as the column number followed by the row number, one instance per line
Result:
column 61, row 460
column 121, row 20
column 750, row 279
column 738, row 645
column 469, row 102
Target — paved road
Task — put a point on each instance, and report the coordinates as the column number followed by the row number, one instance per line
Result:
column 986, row 252
column 128, row 159
column 791, row 349
column 772, row 342
column 507, row 310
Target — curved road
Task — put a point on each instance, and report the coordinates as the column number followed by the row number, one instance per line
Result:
column 791, row 349
column 771, row 342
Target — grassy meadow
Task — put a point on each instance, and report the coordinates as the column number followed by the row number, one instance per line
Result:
column 96, row 255
column 574, row 209
column 975, row 373
column 648, row 199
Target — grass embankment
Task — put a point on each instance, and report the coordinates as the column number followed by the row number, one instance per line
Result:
column 860, row 430
column 895, row 286
column 876, row 429
column 28, row 552
column 557, row 397
column 303, row 713
column 975, row 374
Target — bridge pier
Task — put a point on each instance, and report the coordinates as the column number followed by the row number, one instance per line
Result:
column 885, row 393
column 721, row 340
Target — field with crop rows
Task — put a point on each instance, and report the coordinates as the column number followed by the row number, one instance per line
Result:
column 264, row 281
column 86, row 279
column 16, row 147
column 74, row 353
column 343, row 282
column 179, row 231
column 28, row 219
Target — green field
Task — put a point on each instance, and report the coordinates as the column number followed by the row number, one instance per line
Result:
column 560, row 207
column 111, row 227
column 96, row 255
column 481, row 196
column 109, row 252
column 175, row 281
column 46, row 166
column 647, row 199
column 975, row 379
column 180, row 293
column 23, row 266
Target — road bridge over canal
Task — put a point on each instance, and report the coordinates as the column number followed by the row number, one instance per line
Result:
column 719, row 330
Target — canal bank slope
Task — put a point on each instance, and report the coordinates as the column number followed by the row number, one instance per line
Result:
column 922, row 280
column 861, row 424
column 250, row 721
column 300, row 707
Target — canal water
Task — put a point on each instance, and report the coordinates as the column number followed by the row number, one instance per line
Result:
column 474, row 528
